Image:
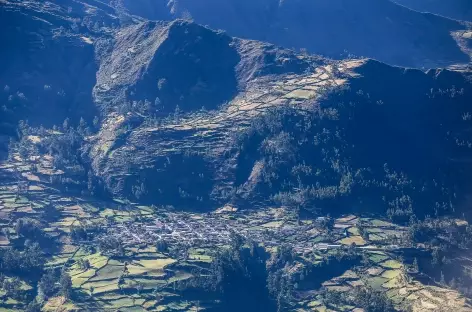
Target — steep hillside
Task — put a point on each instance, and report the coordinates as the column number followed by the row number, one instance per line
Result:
column 228, row 174
column 180, row 66
column 456, row 9
column 381, row 29
column 48, row 68
column 281, row 128
column 218, row 70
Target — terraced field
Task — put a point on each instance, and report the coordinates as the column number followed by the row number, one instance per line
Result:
column 143, row 278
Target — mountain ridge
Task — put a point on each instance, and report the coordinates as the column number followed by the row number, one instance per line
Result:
column 214, row 173
column 396, row 34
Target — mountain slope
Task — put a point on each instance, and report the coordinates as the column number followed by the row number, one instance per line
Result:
column 372, row 133
column 41, row 67
column 218, row 65
column 456, row 9
column 228, row 174
column 381, row 30
column 179, row 66
column 48, row 69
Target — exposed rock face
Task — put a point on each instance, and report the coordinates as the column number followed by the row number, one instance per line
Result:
column 378, row 29
column 181, row 64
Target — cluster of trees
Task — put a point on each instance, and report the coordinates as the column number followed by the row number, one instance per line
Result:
column 364, row 297
column 444, row 239
column 246, row 277
column 29, row 264
column 239, row 274
column 299, row 155
column 54, row 284
column 372, row 300
column 280, row 282
column 12, row 287
column 444, row 233
column 85, row 232
column 29, row 228
column 334, row 156
column 68, row 147
column 111, row 245
column 29, row 261
column 149, row 110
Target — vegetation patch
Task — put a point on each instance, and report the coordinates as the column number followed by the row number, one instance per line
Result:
column 108, row 272
column 357, row 240
column 391, row 264
column 391, row 273
column 377, row 258
column 377, row 282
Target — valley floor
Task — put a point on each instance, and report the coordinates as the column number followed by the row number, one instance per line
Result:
column 145, row 276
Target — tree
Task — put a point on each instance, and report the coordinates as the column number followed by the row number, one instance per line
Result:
column 139, row 190
column 28, row 228
column 50, row 211
column 161, row 83
column 21, row 189
column 435, row 261
column 415, row 268
column 84, row 264
column 48, row 283
column 65, row 124
column 82, row 128
column 162, row 246
column 157, row 103
column 177, row 113
column 65, row 284
column 12, row 146
column 362, row 230
column 78, row 233
column 442, row 281
column 372, row 300
column 33, row 306
column 96, row 122
column 139, row 288
column 90, row 184
column 453, row 283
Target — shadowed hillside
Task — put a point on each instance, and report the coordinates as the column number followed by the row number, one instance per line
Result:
column 48, row 68
column 377, row 29
column 282, row 128
column 45, row 74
